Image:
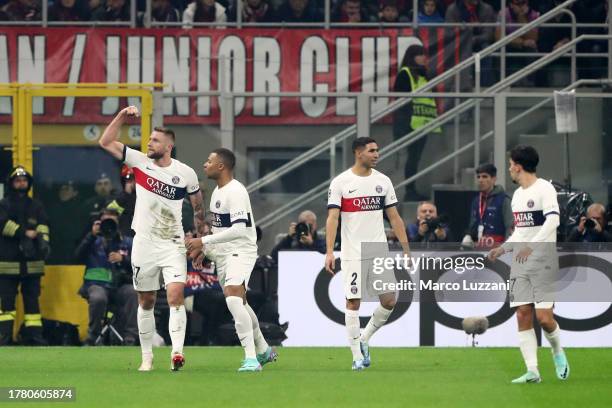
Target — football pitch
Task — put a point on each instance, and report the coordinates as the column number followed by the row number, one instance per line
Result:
column 407, row 377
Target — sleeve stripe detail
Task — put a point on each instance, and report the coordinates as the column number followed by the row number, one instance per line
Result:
column 390, row 205
column 124, row 153
column 240, row 220
column 193, row 192
column 550, row 213
column 333, row 206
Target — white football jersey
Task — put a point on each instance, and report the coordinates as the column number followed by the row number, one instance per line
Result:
column 229, row 205
column 361, row 201
column 159, row 195
column 530, row 206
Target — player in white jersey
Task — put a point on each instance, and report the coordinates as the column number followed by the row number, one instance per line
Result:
column 359, row 196
column 535, row 266
column 161, row 185
column 233, row 247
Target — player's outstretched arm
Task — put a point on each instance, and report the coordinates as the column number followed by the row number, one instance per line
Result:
column 331, row 227
column 399, row 228
column 109, row 140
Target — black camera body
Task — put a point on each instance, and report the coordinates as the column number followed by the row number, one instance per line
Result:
column 437, row 222
column 302, row 228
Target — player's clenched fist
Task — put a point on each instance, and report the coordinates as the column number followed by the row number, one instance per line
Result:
column 194, row 245
column 330, row 261
column 131, row 111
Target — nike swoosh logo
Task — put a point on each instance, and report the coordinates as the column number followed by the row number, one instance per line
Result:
column 242, row 339
column 352, row 191
column 148, row 168
column 177, row 276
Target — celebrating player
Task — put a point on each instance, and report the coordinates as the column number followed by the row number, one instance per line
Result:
column 233, row 246
column 534, row 264
column 360, row 194
column 161, row 185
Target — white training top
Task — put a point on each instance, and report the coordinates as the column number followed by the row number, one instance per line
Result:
column 361, row 201
column 159, row 195
column 230, row 206
column 530, row 207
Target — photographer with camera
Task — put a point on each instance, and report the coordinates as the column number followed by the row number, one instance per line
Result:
column 302, row 236
column 24, row 247
column 125, row 203
column 108, row 277
column 428, row 226
column 592, row 226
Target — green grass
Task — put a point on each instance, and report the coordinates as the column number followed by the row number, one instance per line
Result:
column 408, row 377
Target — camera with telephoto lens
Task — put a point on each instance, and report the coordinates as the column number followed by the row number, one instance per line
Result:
column 302, row 229
column 438, row 222
column 590, row 224
column 109, row 229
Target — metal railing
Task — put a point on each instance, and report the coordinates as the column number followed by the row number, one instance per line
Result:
column 352, row 130
column 412, row 137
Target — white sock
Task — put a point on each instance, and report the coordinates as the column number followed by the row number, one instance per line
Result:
column 378, row 320
column 351, row 320
column 529, row 348
column 244, row 325
column 146, row 329
column 260, row 342
column 176, row 327
column 554, row 338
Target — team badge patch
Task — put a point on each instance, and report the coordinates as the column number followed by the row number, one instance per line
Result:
column 218, row 204
column 379, row 189
column 530, row 203
column 354, row 290
column 175, row 180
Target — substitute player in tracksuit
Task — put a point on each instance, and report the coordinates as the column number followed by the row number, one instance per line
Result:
column 233, row 247
column 24, row 246
column 535, row 264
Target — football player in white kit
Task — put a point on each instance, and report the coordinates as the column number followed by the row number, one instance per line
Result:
column 233, row 248
column 360, row 195
column 535, row 264
column 161, row 185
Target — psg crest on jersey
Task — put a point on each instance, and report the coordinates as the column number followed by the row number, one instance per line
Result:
column 379, row 189
column 218, row 204
column 175, row 180
column 530, row 203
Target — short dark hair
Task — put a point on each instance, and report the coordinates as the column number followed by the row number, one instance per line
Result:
column 362, row 142
column 109, row 211
column 487, row 168
column 227, row 157
column 166, row 131
column 526, row 156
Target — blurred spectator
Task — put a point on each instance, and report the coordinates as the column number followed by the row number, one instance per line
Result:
column 94, row 7
column 414, row 114
column 350, row 11
column 108, row 277
column 204, row 11
column 68, row 222
column 162, row 11
column 125, row 203
column 22, row 10
column 389, row 12
column 592, row 226
column 476, row 11
column 491, row 219
column 65, row 10
column 115, row 10
column 592, row 12
column 299, row 11
column 429, row 12
column 253, row 11
column 302, row 236
column 519, row 12
column 551, row 38
column 428, row 227
column 103, row 189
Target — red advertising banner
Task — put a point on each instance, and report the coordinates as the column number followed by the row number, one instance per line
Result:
column 259, row 60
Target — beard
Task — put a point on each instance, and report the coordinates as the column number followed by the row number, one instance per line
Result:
column 155, row 155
